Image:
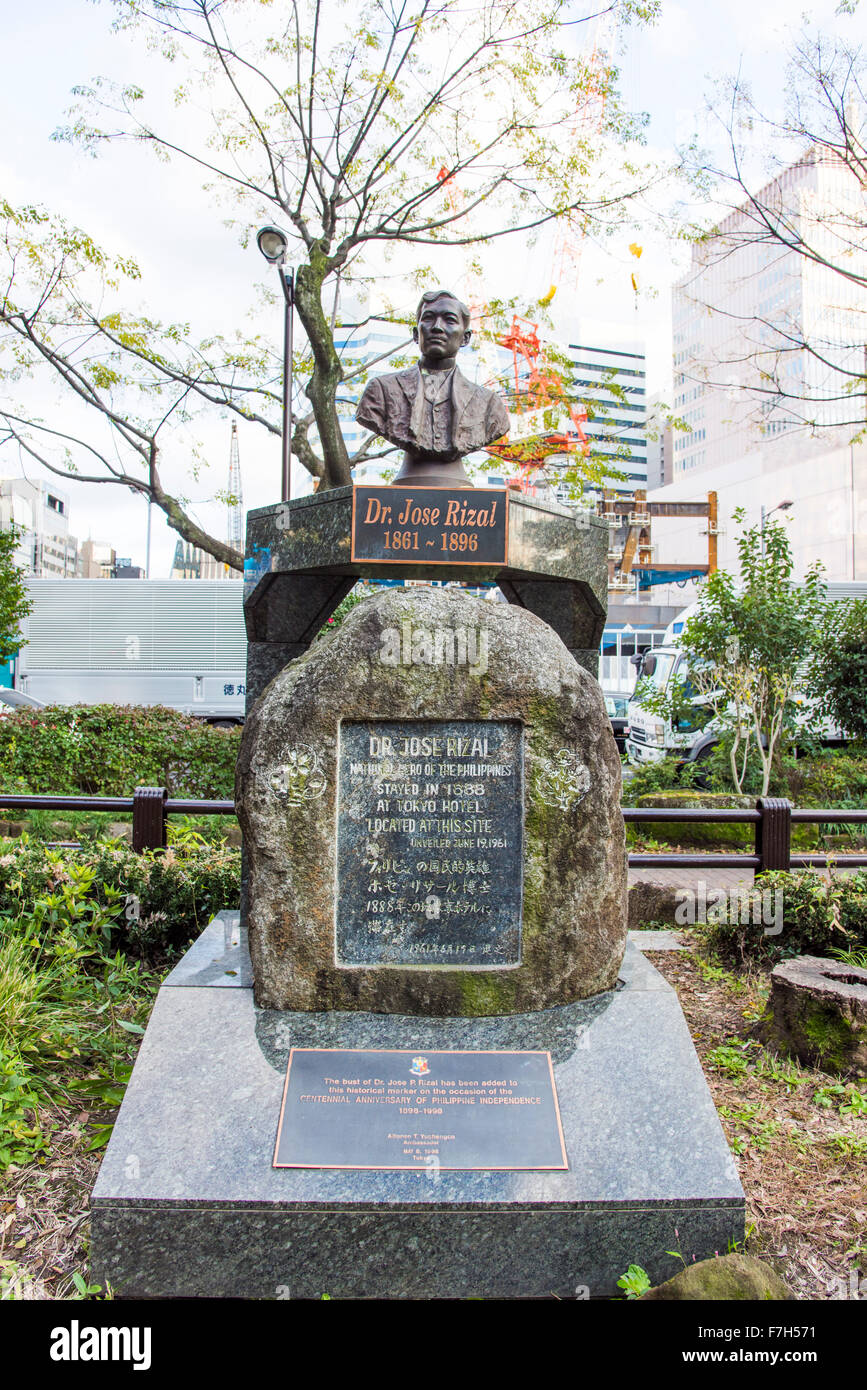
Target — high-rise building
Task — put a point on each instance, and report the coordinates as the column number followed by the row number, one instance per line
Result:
column 191, row 562
column 45, row 549
column 660, row 444
column 610, row 379
column 741, row 381
column 742, row 309
column 96, row 560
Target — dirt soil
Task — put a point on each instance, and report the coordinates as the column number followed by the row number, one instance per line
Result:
column 800, row 1146
column 44, row 1211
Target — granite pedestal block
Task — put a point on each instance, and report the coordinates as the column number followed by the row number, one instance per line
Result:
column 298, row 567
column 187, row 1203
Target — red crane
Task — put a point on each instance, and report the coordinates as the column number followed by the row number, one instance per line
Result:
column 537, row 387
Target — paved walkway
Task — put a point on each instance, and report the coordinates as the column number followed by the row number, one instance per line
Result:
column 688, row 876
column 660, row 940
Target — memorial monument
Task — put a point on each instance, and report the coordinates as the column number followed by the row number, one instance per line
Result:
column 424, row 1063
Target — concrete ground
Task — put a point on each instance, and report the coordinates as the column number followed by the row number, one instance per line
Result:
column 660, row 940
column 688, row 877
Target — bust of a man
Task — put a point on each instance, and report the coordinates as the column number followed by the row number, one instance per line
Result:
column 431, row 410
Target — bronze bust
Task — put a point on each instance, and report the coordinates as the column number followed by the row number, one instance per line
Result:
column 431, row 410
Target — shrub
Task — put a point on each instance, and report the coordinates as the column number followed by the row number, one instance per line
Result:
column 71, row 1011
column 831, row 779
column 155, row 903
column 109, row 750
column 818, row 918
column 73, row 1005
column 21, row 1137
column 660, row 776
column 344, row 607
column 838, row 671
column 710, row 833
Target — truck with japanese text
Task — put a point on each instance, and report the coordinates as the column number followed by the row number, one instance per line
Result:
column 174, row 642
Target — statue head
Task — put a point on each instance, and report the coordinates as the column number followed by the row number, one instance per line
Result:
column 442, row 325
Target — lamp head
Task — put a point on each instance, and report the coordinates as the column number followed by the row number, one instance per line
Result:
column 273, row 244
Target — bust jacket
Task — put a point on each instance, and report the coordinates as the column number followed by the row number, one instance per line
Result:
column 479, row 415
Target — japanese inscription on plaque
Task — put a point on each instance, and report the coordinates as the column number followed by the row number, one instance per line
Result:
column 429, row 843
column 350, row 1108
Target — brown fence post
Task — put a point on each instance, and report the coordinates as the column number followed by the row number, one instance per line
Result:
column 774, row 833
column 149, row 818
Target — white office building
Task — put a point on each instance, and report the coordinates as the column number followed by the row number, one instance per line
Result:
column 740, row 311
column 610, row 378
column 741, row 302
column 46, row 549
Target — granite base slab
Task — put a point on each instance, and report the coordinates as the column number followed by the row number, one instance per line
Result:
column 187, row 1203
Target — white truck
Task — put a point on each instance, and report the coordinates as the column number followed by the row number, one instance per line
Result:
column 649, row 737
column 174, row 642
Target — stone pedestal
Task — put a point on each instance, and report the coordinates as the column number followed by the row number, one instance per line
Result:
column 298, row 567
column 436, row 892
column 430, row 801
column 188, row 1205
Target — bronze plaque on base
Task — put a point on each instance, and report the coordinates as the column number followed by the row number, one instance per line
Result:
column 432, row 1111
column 430, row 525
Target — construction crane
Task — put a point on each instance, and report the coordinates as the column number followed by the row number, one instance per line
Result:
column 537, row 388
column 235, row 504
column 630, row 550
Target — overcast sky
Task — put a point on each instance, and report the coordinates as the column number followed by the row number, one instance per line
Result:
column 158, row 214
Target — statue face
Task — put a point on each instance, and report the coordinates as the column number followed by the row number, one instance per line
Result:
column 440, row 330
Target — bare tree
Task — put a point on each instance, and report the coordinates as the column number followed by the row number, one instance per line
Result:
column 797, row 216
column 348, row 126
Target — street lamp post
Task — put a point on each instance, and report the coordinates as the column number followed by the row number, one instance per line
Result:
column 780, row 507
column 274, row 244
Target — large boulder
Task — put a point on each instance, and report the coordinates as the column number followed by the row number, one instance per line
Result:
column 730, row 1277
column 430, row 800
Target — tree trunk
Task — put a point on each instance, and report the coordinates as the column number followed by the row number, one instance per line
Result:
column 327, row 371
column 185, row 527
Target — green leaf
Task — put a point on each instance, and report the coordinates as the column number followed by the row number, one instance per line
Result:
column 101, row 1138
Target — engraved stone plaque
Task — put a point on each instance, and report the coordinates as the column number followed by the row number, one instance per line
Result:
column 430, row 843
column 347, row 1108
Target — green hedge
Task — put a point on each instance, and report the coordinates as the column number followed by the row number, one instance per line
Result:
column 738, row 836
column 157, row 902
column 833, row 779
column 109, row 750
column 818, row 918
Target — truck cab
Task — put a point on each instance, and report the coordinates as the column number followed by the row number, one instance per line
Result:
column 650, row 737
